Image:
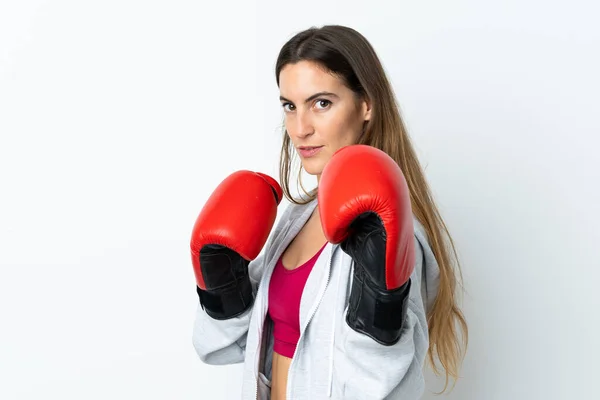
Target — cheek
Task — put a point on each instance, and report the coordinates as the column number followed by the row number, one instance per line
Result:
column 342, row 129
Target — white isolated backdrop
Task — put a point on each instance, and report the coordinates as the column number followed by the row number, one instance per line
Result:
column 118, row 119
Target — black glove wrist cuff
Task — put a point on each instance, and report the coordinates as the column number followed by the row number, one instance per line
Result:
column 377, row 313
column 229, row 301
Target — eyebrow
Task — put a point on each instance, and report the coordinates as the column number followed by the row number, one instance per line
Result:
column 314, row 96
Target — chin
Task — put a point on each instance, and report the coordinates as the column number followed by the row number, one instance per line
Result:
column 313, row 168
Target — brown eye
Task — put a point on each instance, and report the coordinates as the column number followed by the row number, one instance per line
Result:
column 322, row 104
column 288, row 107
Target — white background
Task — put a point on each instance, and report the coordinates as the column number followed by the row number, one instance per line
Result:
column 118, row 118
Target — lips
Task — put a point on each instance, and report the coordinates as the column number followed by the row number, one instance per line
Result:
column 308, row 151
column 308, row 147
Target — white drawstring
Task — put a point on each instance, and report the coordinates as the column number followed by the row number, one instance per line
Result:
column 335, row 317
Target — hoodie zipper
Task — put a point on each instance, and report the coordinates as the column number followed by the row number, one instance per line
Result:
column 313, row 311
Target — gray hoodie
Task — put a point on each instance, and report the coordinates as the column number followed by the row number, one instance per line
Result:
column 331, row 360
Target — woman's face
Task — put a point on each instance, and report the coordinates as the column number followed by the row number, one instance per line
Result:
column 322, row 115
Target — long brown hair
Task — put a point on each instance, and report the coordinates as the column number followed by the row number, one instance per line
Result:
column 346, row 53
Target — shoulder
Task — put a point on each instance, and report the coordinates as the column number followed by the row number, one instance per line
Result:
column 422, row 242
column 426, row 266
column 420, row 232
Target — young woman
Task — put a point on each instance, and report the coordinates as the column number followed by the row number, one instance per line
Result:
column 355, row 287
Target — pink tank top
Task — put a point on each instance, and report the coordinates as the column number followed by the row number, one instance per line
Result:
column 285, row 291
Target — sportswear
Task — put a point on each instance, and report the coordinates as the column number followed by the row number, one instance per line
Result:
column 331, row 361
column 285, row 292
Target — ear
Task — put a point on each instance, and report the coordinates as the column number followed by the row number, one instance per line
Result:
column 366, row 108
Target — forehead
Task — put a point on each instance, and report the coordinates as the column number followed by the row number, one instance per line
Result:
column 305, row 78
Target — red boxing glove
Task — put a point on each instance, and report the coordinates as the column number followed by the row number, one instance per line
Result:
column 230, row 231
column 364, row 203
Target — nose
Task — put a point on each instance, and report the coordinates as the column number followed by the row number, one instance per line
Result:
column 301, row 126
